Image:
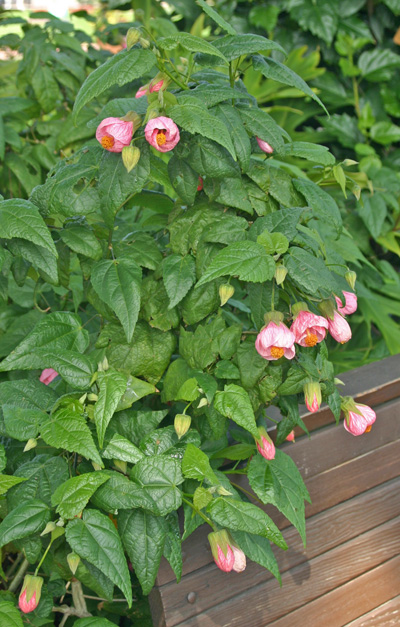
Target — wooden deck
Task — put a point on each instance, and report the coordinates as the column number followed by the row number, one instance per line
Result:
column 349, row 573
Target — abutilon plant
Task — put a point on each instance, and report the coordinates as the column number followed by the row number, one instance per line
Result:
column 176, row 262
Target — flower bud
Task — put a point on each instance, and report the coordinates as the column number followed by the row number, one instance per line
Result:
column 290, row 437
column 92, row 397
column 360, row 420
column 30, row 593
column 49, row 528
column 122, row 466
column 103, row 365
column 265, row 445
column 339, row 328
column 96, row 466
column 280, row 274
column 31, row 443
column 73, row 562
column 203, row 402
column 144, row 42
column 200, row 185
column 240, row 559
column 182, row 424
column 351, row 277
column 312, row 396
column 222, row 491
column 130, row 157
column 132, row 37
column 221, row 549
column 47, row 376
column 225, row 293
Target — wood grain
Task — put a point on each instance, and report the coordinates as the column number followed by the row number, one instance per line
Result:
column 347, row 602
column 386, row 615
column 264, row 603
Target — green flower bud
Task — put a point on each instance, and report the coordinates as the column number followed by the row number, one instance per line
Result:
column 130, row 157
column 73, row 562
column 120, row 465
column 225, row 293
column 49, row 528
column 351, row 277
column 312, row 395
column 182, row 424
column 30, row 593
column 31, row 443
column 280, row 274
column 144, row 42
column 132, row 37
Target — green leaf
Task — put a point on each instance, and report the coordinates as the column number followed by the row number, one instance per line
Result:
column 231, row 192
column 321, row 19
column 117, row 282
column 172, row 548
column 276, row 71
column 45, row 87
column 189, row 42
column 8, row 481
column 40, row 257
column 73, row 495
column 284, row 221
column 121, row 493
column 200, row 348
column 259, row 123
column 67, row 429
column 112, row 386
column 119, row 447
column 179, row 274
column 234, row 46
column 195, row 119
column 135, row 390
column 196, row 465
column 10, row 615
column 385, row 133
column 20, row 218
column 239, row 516
column 321, row 202
column 310, row 273
column 247, row 260
column 216, row 17
column 119, row 69
column 3, row 457
column 202, row 497
column 75, row 369
column 311, row 152
column 208, row 158
column 234, row 403
column 59, row 331
column 94, row 538
column 373, row 213
column 82, row 241
column 241, row 142
column 377, row 65
column 236, row 452
column 183, row 179
column 26, row 519
column 188, row 391
column 42, row 475
column 159, row 477
column 22, row 423
column 93, row 621
column 294, row 382
column 279, row 482
column 143, row 536
column 259, row 550
column 226, row 370
column 334, row 401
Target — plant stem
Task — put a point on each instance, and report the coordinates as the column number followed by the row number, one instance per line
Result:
column 250, row 494
column 203, row 516
column 19, row 576
column 43, row 557
column 356, row 96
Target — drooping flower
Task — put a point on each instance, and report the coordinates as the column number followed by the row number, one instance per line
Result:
column 290, row 437
column 200, row 185
column 30, row 593
column 158, row 82
column 162, row 133
column 223, row 554
column 226, row 292
column 240, row 559
column 350, row 306
column 312, row 395
column 309, row 329
column 264, row 146
column 357, row 424
column 275, row 341
column 142, row 91
column 114, row 133
column 182, row 424
column 339, row 328
column 47, row 376
column 265, row 445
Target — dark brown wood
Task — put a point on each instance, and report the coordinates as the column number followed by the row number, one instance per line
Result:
column 386, row 615
column 346, row 603
column 263, row 603
column 325, row 531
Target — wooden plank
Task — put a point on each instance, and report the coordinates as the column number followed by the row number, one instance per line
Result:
column 347, row 602
column 386, row 615
column 353, row 477
column 264, row 603
column 324, row 532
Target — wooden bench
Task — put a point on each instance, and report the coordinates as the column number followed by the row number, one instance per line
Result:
column 349, row 573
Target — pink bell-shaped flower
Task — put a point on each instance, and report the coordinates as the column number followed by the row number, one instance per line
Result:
column 308, row 328
column 47, row 376
column 339, row 328
column 142, row 91
column 264, row 146
column 162, row 133
column 30, row 593
column 275, row 341
column 290, row 437
column 221, row 548
column 114, row 133
column 350, row 306
column 265, row 445
column 357, row 424
column 312, row 395
column 240, row 559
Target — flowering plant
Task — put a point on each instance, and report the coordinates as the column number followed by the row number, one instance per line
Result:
column 174, row 284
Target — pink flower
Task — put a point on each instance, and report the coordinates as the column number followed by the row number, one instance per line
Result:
column 264, row 146
column 162, row 133
column 200, row 185
column 290, row 437
column 156, row 86
column 221, row 549
column 265, row 445
column 350, row 306
column 240, row 559
column 142, row 91
column 312, row 396
column 339, row 328
column 48, row 375
column 113, row 134
column 275, row 341
column 309, row 329
column 357, row 424
column 30, row 593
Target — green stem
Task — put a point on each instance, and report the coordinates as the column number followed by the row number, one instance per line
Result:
column 43, row 557
column 247, row 492
column 203, row 516
column 356, row 96
column 19, row 576
column 273, row 296
column 176, row 80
